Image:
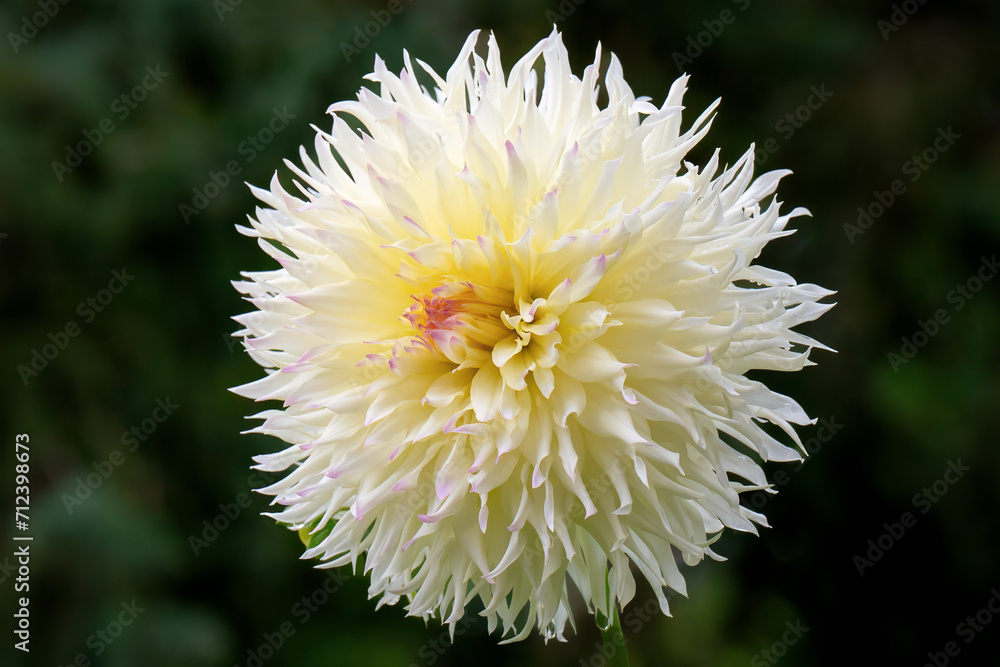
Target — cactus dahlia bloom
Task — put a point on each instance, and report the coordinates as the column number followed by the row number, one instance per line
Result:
column 511, row 332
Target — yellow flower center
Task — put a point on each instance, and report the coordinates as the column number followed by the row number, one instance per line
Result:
column 459, row 314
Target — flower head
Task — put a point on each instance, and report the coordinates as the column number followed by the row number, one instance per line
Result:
column 511, row 332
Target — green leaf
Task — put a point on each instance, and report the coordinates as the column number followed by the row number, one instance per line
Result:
column 310, row 538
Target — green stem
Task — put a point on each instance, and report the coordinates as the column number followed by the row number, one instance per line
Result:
column 614, row 640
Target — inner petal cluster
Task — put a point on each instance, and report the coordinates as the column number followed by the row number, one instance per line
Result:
column 530, row 346
column 458, row 319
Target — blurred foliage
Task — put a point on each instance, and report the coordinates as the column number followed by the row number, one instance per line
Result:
column 165, row 335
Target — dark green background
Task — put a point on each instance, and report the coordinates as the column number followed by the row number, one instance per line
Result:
column 165, row 334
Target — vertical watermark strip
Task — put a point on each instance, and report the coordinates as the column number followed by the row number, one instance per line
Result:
column 22, row 542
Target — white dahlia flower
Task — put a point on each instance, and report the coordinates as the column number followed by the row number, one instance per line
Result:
column 511, row 333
